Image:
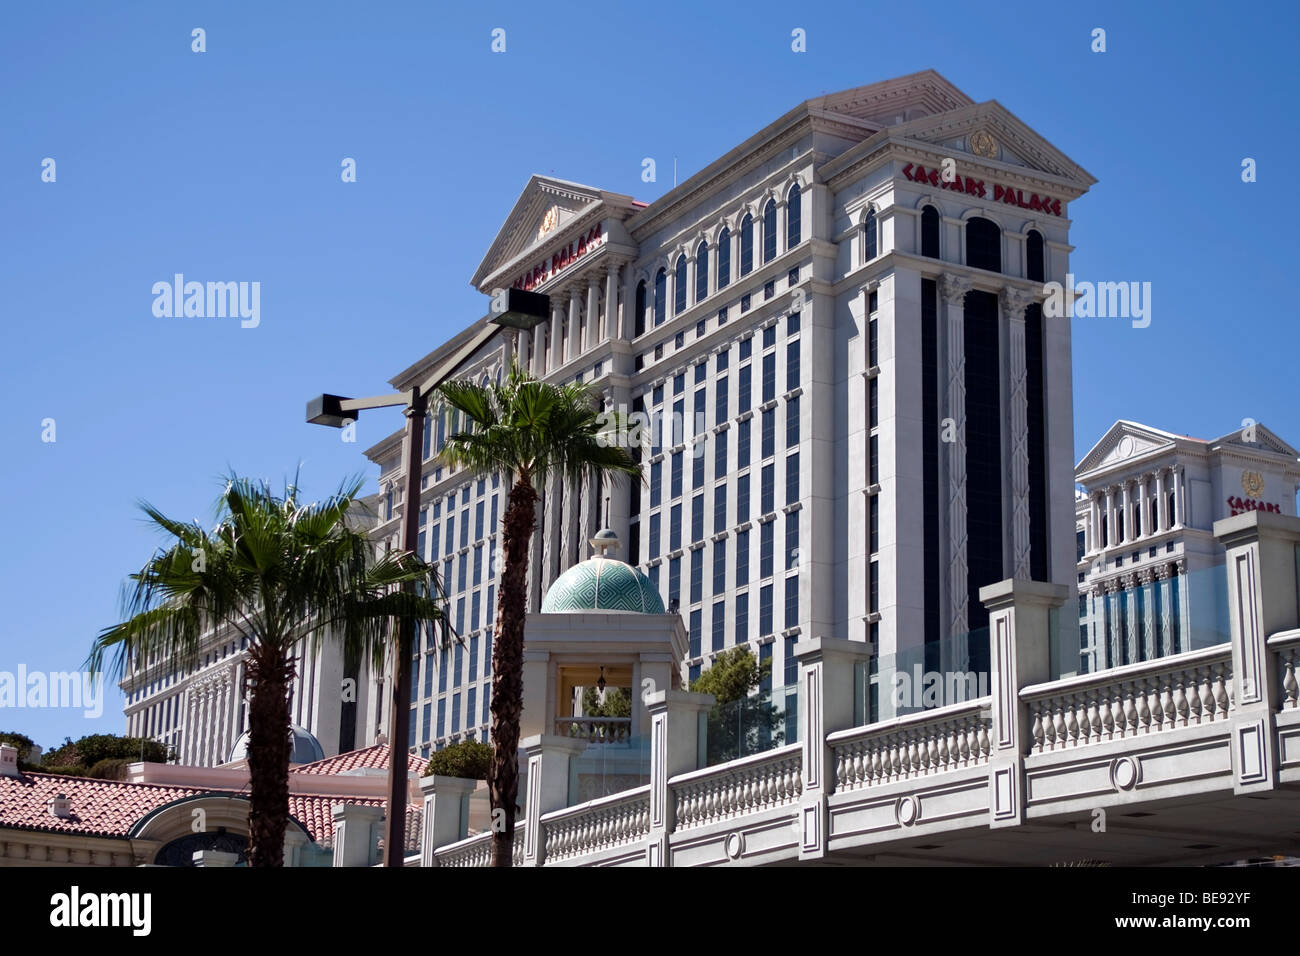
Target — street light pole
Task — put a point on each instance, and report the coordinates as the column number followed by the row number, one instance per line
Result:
column 513, row 309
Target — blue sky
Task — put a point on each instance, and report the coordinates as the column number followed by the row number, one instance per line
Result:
column 225, row 165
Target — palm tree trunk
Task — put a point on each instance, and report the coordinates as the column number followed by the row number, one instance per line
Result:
column 508, row 670
column 269, row 675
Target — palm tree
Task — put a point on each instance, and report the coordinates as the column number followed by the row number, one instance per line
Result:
column 531, row 430
column 277, row 572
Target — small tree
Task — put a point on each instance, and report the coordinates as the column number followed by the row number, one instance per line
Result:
column 470, row 759
column 741, row 722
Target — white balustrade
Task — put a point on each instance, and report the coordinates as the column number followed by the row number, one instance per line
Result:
column 1124, row 702
column 916, row 745
column 603, row 824
column 741, row 787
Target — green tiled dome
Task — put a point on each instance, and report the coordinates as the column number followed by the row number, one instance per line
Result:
column 602, row 584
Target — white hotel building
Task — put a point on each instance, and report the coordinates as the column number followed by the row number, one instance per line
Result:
column 1150, row 573
column 846, row 303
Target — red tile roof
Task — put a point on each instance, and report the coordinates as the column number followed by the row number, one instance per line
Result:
column 110, row 808
column 375, row 757
column 99, row 807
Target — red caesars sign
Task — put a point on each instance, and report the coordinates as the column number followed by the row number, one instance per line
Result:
column 975, row 187
column 1241, row 505
column 570, row 254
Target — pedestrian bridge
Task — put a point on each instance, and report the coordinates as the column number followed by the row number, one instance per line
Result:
column 1186, row 759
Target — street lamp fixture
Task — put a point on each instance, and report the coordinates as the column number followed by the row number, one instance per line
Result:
column 513, row 309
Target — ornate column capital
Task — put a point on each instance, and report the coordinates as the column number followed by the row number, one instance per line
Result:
column 1014, row 301
column 953, row 288
column 1164, row 572
column 1145, row 575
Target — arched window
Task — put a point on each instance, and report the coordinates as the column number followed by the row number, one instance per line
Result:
column 930, row 232
column 747, row 245
column 661, row 294
column 769, row 231
column 869, row 246
column 724, row 258
column 639, row 321
column 983, row 244
column 793, row 217
column 1034, row 256
column 679, row 286
column 701, row 272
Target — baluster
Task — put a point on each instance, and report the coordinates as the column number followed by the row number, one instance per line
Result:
column 1117, row 711
column 983, row 739
column 1143, row 711
column 1130, row 712
column 1071, row 723
column 1168, row 715
column 1094, row 719
column 1058, row 723
column 1207, row 695
column 932, row 750
column 1290, row 687
column 1037, row 730
column 1193, row 679
column 1153, row 704
column 1180, row 700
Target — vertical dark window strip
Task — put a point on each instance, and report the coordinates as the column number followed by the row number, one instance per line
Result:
column 930, row 232
column 930, row 456
column 983, row 244
column 639, row 328
column 983, row 460
column 702, row 272
column 1037, row 442
column 679, row 286
column 794, row 218
column 769, row 231
column 747, row 245
column 1034, row 256
column 724, row 258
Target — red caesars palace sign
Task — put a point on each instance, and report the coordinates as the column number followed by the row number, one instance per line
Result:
column 975, row 187
column 570, row 254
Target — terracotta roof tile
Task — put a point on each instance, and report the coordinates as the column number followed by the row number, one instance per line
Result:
column 375, row 757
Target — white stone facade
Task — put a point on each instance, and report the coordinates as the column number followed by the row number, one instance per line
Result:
column 1144, row 520
column 901, row 214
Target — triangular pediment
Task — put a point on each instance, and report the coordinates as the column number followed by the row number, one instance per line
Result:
column 991, row 134
column 542, row 210
column 894, row 102
column 1265, row 440
column 1123, row 441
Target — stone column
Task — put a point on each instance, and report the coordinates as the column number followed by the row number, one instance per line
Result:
column 1127, row 505
column 953, row 289
column 555, row 336
column 827, row 684
column 446, row 813
column 610, row 326
column 547, row 786
column 1129, row 597
column 1166, row 594
column 1161, row 523
column 569, row 526
column 592, row 330
column 1146, row 580
column 1014, row 302
column 1180, row 496
column 1111, row 536
column 676, row 745
column 1144, row 506
column 1261, row 565
column 781, row 231
column 572, row 332
column 1019, row 655
column 354, row 836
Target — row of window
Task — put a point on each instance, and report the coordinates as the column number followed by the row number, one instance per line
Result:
column 655, row 299
column 983, row 243
column 740, row 626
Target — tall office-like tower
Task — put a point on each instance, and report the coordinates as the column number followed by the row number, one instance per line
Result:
column 861, row 415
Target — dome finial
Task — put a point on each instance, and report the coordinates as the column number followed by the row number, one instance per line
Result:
column 605, row 540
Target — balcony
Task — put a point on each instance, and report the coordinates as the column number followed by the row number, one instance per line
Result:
column 1190, row 757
